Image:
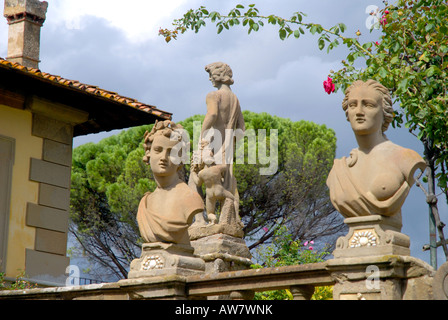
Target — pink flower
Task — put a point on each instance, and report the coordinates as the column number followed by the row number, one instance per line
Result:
column 377, row 43
column 386, row 12
column 265, row 229
column 311, row 248
column 306, row 243
column 383, row 20
column 312, row 242
column 329, row 88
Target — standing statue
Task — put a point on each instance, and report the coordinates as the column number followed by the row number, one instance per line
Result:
column 219, row 238
column 222, row 120
column 369, row 187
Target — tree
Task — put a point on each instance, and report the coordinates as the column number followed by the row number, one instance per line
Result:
column 109, row 178
column 410, row 60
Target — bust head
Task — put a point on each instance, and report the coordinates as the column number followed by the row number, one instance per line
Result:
column 162, row 145
column 220, row 72
column 371, row 94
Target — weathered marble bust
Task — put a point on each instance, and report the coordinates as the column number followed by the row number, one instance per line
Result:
column 376, row 178
column 165, row 214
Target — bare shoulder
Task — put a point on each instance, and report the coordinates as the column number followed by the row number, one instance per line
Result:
column 212, row 95
column 407, row 159
column 186, row 193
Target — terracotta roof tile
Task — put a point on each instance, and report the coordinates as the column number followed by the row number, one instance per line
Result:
column 94, row 90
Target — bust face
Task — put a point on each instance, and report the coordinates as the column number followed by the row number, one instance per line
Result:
column 160, row 161
column 365, row 110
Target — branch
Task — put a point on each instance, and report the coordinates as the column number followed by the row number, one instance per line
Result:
column 195, row 19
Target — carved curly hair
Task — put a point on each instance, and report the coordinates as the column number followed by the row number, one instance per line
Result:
column 221, row 72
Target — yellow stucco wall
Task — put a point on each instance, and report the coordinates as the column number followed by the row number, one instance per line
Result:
column 15, row 123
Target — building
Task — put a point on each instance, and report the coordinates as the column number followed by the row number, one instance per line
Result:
column 40, row 113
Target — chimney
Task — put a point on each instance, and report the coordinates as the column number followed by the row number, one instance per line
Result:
column 25, row 18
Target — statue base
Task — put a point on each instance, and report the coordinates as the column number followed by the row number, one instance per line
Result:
column 373, row 262
column 160, row 259
column 372, row 236
column 222, row 252
column 198, row 231
column 388, row 277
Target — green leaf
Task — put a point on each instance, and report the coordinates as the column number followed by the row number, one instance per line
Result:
column 297, row 33
column 282, row 34
column 382, row 72
column 394, row 60
column 321, row 44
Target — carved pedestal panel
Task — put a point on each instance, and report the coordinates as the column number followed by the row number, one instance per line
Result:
column 371, row 236
column 159, row 259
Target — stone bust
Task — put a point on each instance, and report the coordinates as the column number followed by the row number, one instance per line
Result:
column 376, row 178
column 165, row 214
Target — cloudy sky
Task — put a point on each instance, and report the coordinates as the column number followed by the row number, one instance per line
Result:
column 115, row 45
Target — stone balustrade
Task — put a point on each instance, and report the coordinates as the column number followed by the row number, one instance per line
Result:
column 397, row 278
column 237, row 285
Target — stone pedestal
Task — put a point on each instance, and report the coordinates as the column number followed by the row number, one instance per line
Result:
column 223, row 248
column 161, row 259
column 371, row 236
column 222, row 252
column 389, row 277
column 373, row 262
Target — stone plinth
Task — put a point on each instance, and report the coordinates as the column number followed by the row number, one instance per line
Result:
column 373, row 262
column 388, row 277
column 198, row 231
column 160, row 259
column 372, row 236
column 222, row 252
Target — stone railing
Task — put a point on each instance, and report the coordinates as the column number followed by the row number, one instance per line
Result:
column 387, row 277
column 234, row 285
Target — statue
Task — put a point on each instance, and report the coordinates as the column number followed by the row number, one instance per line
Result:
column 377, row 176
column 218, row 239
column 372, row 184
column 164, row 215
column 223, row 116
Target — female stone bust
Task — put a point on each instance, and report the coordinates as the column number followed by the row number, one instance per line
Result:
column 377, row 176
column 165, row 214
